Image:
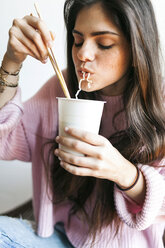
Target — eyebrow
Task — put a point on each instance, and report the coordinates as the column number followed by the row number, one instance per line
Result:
column 95, row 33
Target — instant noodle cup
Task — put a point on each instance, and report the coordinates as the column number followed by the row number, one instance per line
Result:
column 79, row 113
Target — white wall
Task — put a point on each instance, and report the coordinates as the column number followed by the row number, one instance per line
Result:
column 159, row 6
column 15, row 176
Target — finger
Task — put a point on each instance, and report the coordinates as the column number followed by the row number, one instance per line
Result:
column 52, row 34
column 19, row 47
column 91, row 138
column 30, row 46
column 77, row 171
column 79, row 146
column 81, row 161
column 35, row 36
column 40, row 25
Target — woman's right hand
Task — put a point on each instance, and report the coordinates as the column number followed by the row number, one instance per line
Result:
column 28, row 36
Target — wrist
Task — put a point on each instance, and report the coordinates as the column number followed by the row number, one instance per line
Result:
column 10, row 65
column 9, row 73
column 128, row 175
column 138, row 191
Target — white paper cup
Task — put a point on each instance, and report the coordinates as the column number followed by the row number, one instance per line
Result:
column 79, row 113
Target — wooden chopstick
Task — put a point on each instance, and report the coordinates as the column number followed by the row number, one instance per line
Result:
column 54, row 62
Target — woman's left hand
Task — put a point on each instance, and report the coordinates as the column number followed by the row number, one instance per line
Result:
column 101, row 159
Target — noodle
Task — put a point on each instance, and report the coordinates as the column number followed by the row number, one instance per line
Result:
column 83, row 79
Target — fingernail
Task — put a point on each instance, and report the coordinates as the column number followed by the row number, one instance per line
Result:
column 66, row 129
column 61, row 163
column 56, row 151
column 44, row 61
column 50, row 43
column 57, row 138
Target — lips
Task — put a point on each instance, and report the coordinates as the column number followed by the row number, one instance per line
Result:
column 81, row 71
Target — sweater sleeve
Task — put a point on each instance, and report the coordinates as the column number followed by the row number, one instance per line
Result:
column 23, row 125
column 13, row 139
column 153, row 208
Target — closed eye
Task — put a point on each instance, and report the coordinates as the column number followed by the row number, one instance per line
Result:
column 78, row 44
column 105, row 47
column 99, row 45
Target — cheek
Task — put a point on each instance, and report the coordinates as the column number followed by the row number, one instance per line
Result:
column 124, row 61
column 74, row 55
column 116, row 62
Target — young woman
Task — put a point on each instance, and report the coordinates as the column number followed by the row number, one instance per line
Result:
column 114, row 196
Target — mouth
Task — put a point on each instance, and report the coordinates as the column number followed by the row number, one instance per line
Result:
column 81, row 73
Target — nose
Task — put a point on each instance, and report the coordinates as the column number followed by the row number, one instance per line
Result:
column 86, row 52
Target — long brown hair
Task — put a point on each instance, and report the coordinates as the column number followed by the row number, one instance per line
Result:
column 144, row 140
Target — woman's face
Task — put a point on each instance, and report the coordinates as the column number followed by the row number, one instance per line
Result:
column 101, row 49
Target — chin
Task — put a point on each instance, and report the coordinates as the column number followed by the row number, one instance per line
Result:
column 87, row 89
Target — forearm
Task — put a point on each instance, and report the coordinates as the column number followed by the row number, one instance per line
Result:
column 7, row 93
column 147, row 214
column 137, row 193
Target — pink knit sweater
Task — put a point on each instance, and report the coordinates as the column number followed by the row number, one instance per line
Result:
column 23, row 130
